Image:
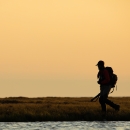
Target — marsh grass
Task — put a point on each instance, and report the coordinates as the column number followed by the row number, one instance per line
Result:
column 21, row 109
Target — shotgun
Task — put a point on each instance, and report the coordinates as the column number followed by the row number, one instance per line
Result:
column 96, row 97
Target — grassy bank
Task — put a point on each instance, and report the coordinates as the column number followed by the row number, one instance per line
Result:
column 59, row 109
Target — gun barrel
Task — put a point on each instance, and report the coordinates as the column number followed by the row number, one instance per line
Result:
column 95, row 97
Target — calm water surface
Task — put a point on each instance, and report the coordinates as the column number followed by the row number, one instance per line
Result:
column 80, row 125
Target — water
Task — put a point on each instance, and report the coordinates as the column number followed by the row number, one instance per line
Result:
column 80, row 125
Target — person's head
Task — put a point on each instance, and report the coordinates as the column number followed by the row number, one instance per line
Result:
column 100, row 65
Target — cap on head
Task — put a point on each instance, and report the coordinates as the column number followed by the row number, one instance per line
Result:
column 100, row 63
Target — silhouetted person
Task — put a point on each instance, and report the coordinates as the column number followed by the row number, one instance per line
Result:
column 105, row 87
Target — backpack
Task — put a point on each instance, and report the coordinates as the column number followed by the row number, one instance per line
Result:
column 113, row 77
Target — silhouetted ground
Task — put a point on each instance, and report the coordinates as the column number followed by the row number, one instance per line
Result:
column 22, row 109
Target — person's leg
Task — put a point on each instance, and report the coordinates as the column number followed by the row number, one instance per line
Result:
column 103, row 106
column 113, row 105
column 102, row 103
column 104, row 91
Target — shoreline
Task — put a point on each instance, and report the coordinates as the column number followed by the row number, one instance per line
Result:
column 23, row 109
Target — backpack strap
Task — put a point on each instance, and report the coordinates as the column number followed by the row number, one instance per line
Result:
column 113, row 90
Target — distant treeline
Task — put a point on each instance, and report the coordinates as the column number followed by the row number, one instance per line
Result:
column 23, row 109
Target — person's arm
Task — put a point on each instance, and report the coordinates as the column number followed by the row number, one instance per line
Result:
column 106, row 77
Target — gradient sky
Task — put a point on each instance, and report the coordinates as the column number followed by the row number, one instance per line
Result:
column 51, row 47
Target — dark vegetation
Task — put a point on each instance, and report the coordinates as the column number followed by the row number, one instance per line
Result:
column 22, row 109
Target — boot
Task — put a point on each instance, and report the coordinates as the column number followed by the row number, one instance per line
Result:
column 117, row 107
column 113, row 105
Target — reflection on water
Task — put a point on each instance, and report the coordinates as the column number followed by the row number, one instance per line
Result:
column 80, row 125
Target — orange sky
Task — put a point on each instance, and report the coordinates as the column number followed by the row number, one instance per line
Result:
column 50, row 48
